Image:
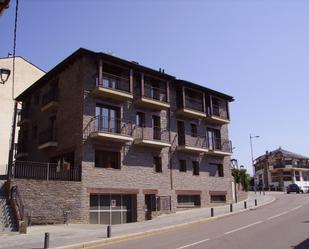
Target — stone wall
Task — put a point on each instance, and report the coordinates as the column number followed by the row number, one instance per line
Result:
column 45, row 201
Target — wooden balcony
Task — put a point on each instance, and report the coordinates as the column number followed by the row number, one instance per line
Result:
column 113, row 87
column 191, row 108
column 23, row 117
column 21, row 149
column 219, row 147
column 154, row 137
column 153, row 97
column 193, row 144
column 107, row 129
column 218, row 114
column 47, row 139
column 50, row 101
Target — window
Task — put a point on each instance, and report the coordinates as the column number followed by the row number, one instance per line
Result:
column 188, row 200
column 157, row 164
column 193, row 130
column 220, row 170
column 140, row 119
column 107, row 159
column 107, row 119
column 34, row 131
column 195, row 167
column 182, row 166
column 218, row 198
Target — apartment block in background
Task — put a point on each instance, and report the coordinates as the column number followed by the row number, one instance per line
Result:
column 279, row 168
column 25, row 75
column 112, row 141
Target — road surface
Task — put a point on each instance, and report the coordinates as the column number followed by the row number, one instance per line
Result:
column 284, row 224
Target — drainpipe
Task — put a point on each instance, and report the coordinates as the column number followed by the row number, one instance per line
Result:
column 11, row 152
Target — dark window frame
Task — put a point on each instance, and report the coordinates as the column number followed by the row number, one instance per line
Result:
column 157, row 163
column 195, row 168
column 112, row 159
column 182, row 165
column 193, row 130
column 140, row 119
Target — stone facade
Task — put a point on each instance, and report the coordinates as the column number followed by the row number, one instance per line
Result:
column 136, row 176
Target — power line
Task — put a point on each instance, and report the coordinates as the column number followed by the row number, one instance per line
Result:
column 14, row 48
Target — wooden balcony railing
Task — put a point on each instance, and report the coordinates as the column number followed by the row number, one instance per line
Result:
column 50, row 96
column 45, row 171
column 194, row 103
column 156, row 93
column 48, row 135
column 219, row 111
column 114, row 82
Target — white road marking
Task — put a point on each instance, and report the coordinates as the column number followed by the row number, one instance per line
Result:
column 296, row 207
column 193, row 244
column 277, row 215
column 244, row 227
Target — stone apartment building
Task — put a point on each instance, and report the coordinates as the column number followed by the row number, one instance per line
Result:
column 112, row 141
column 279, row 168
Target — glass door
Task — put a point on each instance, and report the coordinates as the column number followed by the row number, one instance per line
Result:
column 156, row 124
column 107, row 119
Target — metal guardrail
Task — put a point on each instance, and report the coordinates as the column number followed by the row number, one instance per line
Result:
column 109, row 125
column 152, row 133
column 18, row 202
column 45, row 171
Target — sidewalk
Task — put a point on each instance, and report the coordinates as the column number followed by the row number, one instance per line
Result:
column 78, row 234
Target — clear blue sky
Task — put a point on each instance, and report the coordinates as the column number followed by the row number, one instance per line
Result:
column 256, row 51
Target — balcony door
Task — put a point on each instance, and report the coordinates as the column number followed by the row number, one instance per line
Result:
column 107, row 119
column 181, row 133
column 156, row 124
column 213, row 139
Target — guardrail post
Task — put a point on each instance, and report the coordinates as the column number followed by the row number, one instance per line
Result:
column 212, row 212
column 231, row 207
column 255, row 202
column 109, row 231
column 245, row 205
column 46, row 241
column 47, row 173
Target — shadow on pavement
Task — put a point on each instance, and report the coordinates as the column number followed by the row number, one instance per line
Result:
column 303, row 245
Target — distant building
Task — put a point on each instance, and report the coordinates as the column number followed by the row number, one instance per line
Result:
column 25, row 74
column 279, row 168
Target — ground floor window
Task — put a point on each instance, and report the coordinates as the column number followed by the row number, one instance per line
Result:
column 111, row 209
column 188, row 200
column 107, row 159
column 217, row 198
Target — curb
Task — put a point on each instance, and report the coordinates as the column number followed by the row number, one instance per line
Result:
column 150, row 232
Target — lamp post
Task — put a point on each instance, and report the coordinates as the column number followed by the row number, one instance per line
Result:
column 234, row 164
column 252, row 160
column 4, row 75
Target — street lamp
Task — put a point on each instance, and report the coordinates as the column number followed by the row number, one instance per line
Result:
column 252, row 160
column 4, row 75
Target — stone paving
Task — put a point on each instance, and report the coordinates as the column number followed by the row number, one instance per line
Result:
column 63, row 235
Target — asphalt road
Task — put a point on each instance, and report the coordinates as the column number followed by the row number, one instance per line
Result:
column 284, row 224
